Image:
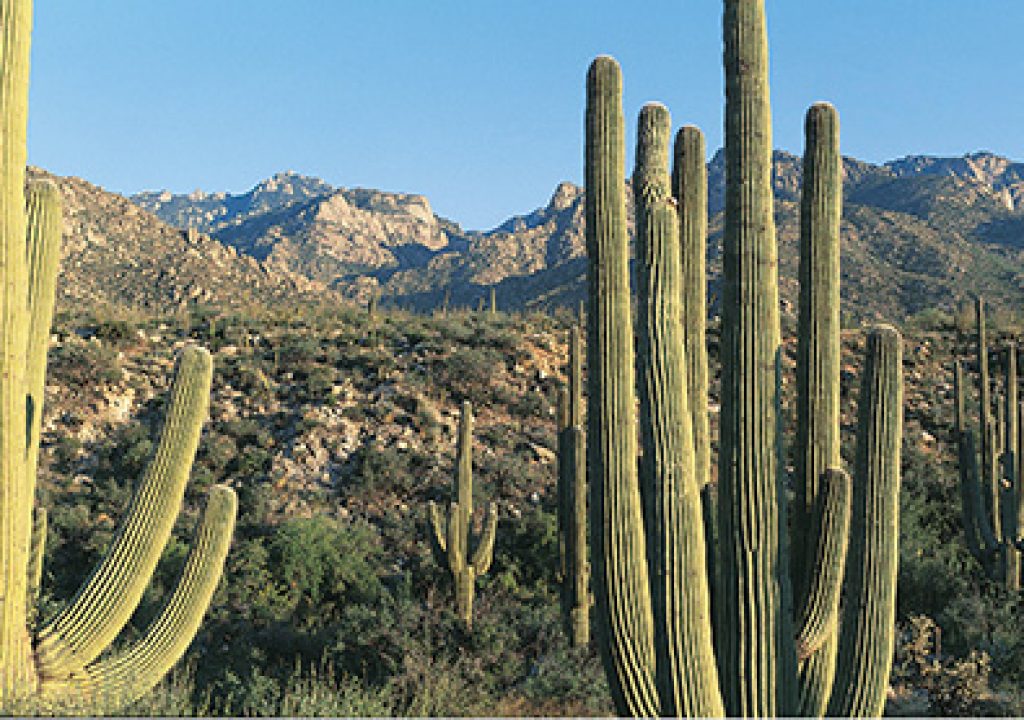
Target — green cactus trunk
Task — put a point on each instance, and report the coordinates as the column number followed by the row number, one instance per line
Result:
column 16, row 672
column 621, row 589
column 847, row 529
column 817, row 378
column 57, row 669
column 753, row 631
column 686, row 673
column 869, row 605
column 1010, row 457
column 450, row 536
column 572, row 501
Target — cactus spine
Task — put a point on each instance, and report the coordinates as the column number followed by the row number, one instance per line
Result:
column 649, row 531
column 451, row 539
column 50, row 671
column 991, row 500
column 572, row 501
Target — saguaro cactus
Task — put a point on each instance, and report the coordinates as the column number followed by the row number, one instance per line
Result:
column 450, row 536
column 649, row 539
column 990, row 495
column 58, row 667
column 572, row 501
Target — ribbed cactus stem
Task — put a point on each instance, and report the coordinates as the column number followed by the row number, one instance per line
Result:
column 494, row 302
column 621, row 590
column 79, row 633
column 817, row 381
column 686, row 672
column 754, row 635
column 690, row 189
column 1010, row 457
column 129, row 674
column 981, row 540
column 869, row 603
column 15, row 497
column 988, row 459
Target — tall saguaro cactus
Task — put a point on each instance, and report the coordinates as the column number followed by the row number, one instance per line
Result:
column 772, row 648
column 991, row 499
column 59, row 667
column 450, row 536
column 572, row 501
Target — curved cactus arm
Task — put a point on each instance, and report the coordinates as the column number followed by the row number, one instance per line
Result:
column 686, row 672
column 126, row 676
column 869, row 602
column 43, row 257
column 38, row 551
column 817, row 615
column 978, row 530
column 621, row 591
column 485, row 548
column 438, row 531
column 81, row 631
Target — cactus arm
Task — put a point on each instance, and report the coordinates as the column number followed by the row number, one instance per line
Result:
column 485, row 548
column 754, row 636
column 129, row 674
column 15, row 498
column 686, row 672
column 44, row 239
column 438, row 533
column 79, row 633
column 829, row 533
column 621, row 590
column 869, row 603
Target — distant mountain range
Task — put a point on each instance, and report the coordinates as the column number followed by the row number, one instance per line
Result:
column 918, row 233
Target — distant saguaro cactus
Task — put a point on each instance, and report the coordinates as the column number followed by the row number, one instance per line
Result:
column 992, row 502
column 58, row 667
column 667, row 649
column 572, row 501
column 450, row 535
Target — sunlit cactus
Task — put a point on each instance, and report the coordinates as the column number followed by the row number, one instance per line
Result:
column 450, row 534
column 59, row 667
column 763, row 647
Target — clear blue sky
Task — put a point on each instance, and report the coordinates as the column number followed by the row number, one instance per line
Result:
column 478, row 104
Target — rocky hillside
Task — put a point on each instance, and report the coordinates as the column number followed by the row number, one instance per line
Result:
column 117, row 254
column 929, row 231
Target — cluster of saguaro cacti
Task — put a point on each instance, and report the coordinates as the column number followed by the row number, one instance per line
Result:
column 767, row 645
column 993, row 505
column 55, row 665
column 450, row 535
column 574, row 565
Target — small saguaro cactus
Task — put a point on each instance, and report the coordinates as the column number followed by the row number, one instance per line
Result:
column 991, row 500
column 56, row 665
column 766, row 646
column 450, row 535
column 494, row 302
column 572, row 501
